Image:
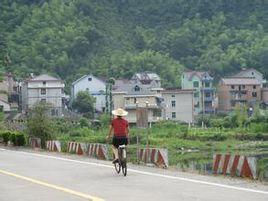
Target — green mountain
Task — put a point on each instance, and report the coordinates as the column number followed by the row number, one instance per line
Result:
column 117, row 38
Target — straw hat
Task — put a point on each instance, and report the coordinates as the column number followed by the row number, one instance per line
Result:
column 119, row 112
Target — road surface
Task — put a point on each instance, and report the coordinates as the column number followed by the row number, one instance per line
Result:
column 40, row 176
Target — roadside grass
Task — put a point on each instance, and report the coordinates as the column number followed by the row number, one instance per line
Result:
column 183, row 143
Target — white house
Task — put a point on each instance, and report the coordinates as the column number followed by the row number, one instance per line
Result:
column 178, row 105
column 4, row 106
column 95, row 86
column 43, row 88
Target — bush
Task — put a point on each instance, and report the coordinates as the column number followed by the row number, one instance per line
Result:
column 83, row 122
column 105, row 120
column 18, row 139
column 6, row 136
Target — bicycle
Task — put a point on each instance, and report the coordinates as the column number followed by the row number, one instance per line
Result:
column 122, row 160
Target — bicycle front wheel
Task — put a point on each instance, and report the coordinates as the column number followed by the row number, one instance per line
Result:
column 117, row 167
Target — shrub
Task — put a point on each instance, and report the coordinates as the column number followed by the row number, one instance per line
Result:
column 18, row 139
column 6, row 136
column 105, row 120
column 83, row 122
column 12, row 138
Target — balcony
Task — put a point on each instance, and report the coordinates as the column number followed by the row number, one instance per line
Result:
column 208, row 99
column 131, row 106
column 209, row 110
column 207, row 89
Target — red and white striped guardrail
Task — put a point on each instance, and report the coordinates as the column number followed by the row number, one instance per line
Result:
column 235, row 165
column 53, row 145
column 77, row 148
column 99, row 151
column 158, row 157
column 35, row 143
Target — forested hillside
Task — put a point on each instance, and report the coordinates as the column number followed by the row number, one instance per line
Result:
column 116, row 38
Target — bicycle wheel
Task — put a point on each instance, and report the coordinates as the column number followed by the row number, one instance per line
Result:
column 124, row 167
column 117, row 167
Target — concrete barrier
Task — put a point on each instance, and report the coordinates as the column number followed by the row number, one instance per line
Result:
column 77, row 148
column 159, row 157
column 235, row 165
column 99, row 151
column 53, row 145
column 35, row 143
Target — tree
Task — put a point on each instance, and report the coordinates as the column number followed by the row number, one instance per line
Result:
column 39, row 124
column 84, row 103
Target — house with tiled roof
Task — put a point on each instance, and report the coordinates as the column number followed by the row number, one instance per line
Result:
column 95, row 86
column 43, row 88
column 251, row 72
column 237, row 91
column 204, row 92
column 142, row 90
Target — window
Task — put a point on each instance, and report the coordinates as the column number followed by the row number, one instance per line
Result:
column 90, row 79
column 173, row 103
column 207, row 95
column 254, row 94
column 137, row 88
column 243, row 86
column 53, row 112
column 173, row 115
column 232, row 103
column 43, row 100
column 254, row 86
column 44, row 83
column 207, row 84
column 173, row 95
column 196, row 94
column 196, row 105
column 43, row 91
column 252, row 73
column 135, row 100
column 232, row 86
column 196, row 84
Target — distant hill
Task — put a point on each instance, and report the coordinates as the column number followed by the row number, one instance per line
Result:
column 120, row 37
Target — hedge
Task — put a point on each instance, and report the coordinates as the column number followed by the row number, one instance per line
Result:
column 18, row 139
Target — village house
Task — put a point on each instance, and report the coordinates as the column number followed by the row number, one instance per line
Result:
column 95, row 87
column 251, row 72
column 9, row 97
column 238, row 91
column 143, row 90
column 178, row 105
column 130, row 102
column 46, row 89
column 145, row 82
column 204, row 92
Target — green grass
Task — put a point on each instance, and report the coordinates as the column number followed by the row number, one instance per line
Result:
column 178, row 139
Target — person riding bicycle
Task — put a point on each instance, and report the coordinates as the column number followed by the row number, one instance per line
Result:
column 120, row 131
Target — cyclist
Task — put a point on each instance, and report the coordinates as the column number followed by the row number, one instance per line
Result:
column 119, row 130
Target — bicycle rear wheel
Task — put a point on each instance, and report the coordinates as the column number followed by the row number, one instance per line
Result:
column 124, row 168
column 117, row 167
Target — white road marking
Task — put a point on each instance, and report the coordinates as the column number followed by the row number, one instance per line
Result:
column 2, row 149
column 147, row 173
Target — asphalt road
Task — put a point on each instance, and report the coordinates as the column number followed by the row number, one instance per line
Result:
column 41, row 176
